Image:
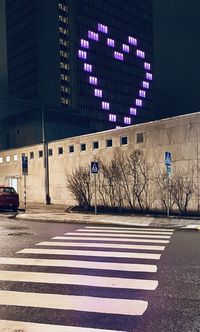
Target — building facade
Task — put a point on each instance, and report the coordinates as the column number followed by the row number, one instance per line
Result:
column 87, row 65
column 179, row 135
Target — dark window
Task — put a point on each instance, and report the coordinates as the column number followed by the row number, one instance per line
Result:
column 40, row 153
column 95, row 145
column 124, row 140
column 71, row 148
column 50, row 152
column 109, row 143
column 60, row 150
column 140, row 138
column 83, row 147
column 31, row 155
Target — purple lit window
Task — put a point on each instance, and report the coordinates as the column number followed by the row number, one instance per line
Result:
column 102, row 28
column 93, row 80
column 112, row 118
column 147, row 66
column 145, row 84
column 93, row 35
column 149, row 76
column 98, row 93
column 133, row 111
column 105, row 105
column 138, row 102
column 110, row 42
column 125, row 48
column 127, row 120
column 84, row 43
column 140, row 54
column 87, row 67
column 82, row 54
column 142, row 93
column 132, row 40
column 118, row 127
column 118, row 56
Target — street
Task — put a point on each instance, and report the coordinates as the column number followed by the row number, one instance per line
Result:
column 98, row 278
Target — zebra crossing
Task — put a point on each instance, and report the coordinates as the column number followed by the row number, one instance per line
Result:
column 92, row 273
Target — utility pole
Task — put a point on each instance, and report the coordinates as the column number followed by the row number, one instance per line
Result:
column 46, row 159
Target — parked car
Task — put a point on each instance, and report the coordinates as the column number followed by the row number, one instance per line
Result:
column 9, row 198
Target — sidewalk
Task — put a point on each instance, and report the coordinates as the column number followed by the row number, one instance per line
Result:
column 56, row 213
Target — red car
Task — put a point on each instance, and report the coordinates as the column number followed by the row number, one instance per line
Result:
column 9, row 198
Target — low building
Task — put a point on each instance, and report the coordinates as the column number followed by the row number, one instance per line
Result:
column 179, row 135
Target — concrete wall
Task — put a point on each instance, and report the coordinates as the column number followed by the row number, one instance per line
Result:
column 179, row 135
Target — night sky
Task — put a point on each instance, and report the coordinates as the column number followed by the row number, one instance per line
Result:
column 176, row 56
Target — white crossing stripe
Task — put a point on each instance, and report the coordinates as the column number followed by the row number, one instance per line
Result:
column 130, row 228
column 74, row 279
column 100, row 245
column 122, row 231
column 89, row 253
column 72, row 302
column 110, row 239
column 11, row 326
column 121, row 236
column 79, row 264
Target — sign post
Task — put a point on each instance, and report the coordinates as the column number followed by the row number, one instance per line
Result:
column 24, row 173
column 168, row 169
column 94, row 170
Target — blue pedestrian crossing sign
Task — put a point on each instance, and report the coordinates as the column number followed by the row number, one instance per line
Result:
column 94, row 167
column 167, row 158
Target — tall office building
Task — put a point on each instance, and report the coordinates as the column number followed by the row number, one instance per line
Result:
column 81, row 65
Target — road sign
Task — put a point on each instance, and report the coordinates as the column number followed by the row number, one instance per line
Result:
column 94, row 167
column 167, row 158
column 24, row 165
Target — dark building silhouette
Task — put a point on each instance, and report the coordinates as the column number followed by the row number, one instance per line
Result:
column 81, row 65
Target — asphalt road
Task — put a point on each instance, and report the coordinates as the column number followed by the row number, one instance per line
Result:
column 95, row 282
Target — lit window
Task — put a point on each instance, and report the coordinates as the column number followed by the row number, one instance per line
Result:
column 93, row 35
column 124, row 140
column 118, row 127
column 140, row 54
column 1, row 160
column 133, row 111
column 102, row 28
column 142, row 93
column 98, row 93
column 125, row 48
column 95, row 145
column 93, row 80
column 112, row 118
column 82, row 54
column 149, row 76
column 109, row 143
column 138, row 102
column 84, row 43
column 118, row 56
column 132, row 40
column 87, row 67
column 145, row 84
column 127, row 120
column 7, row 159
column 105, row 105
column 147, row 66
column 110, row 42
column 83, row 147
column 15, row 158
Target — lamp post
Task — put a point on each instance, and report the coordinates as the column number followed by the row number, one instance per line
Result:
column 17, row 101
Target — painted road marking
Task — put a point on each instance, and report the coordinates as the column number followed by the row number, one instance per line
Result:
column 11, row 326
column 71, row 302
column 122, row 231
column 83, row 280
column 89, row 253
column 121, row 236
column 79, row 264
column 100, row 245
column 110, row 239
column 131, row 228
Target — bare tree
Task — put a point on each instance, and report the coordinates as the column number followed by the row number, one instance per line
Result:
column 80, row 185
column 163, row 184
